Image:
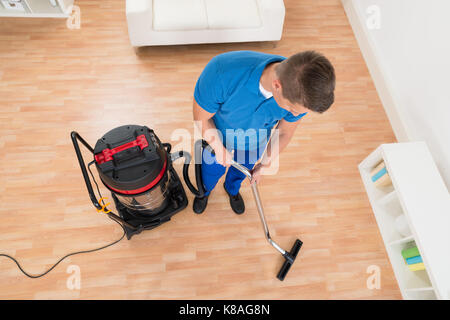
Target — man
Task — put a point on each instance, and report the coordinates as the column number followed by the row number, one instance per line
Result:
column 240, row 96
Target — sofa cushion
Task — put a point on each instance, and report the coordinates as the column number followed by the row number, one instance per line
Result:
column 179, row 15
column 232, row 14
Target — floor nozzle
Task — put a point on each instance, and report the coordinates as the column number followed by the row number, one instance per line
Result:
column 289, row 260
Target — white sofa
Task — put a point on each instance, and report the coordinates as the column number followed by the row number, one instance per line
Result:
column 168, row 22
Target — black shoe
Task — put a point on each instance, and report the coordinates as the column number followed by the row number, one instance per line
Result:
column 200, row 204
column 236, row 202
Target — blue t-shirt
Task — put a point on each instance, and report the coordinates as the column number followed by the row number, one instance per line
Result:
column 229, row 87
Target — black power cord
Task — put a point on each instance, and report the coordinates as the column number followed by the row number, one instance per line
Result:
column 73, row 253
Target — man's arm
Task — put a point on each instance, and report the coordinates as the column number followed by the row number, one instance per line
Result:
column 286, row 131
column 209, row 131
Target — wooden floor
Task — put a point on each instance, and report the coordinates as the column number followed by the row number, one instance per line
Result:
column 54, row 80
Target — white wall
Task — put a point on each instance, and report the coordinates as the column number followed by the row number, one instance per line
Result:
column 409, row 59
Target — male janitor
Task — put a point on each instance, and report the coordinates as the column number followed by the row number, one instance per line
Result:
column 240, row 96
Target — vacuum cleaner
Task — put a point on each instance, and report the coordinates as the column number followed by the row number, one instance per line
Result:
column 136, row 167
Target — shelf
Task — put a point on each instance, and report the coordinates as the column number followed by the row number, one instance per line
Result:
column 402, row 240
column 419, row 193
column 43, row 7
column 386, row 211
column 388, row 198
column 420, row 289
column 421, row 295
column 377, row 193
column 39, row 9
column 5, row 11
column 411, row 280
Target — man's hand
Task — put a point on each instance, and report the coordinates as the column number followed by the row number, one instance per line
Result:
column 223, row 156
column 210, row 134
column 285, row 133
column 257, row 172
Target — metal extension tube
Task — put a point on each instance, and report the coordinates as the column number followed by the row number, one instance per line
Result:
column 255, row 191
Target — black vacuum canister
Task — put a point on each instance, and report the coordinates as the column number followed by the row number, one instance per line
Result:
column 136, row 167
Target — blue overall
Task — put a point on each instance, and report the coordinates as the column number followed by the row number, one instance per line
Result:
column 229, row 88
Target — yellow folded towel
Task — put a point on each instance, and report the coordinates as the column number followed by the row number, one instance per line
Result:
column 416, row 266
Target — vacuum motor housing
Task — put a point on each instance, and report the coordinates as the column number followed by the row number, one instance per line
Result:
column 137, row 168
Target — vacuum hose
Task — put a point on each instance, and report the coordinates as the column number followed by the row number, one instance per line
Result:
column 200, row 192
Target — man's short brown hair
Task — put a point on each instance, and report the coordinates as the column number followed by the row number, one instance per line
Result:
column 308, row 78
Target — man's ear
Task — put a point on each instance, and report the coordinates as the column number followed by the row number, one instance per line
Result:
column 276, row 84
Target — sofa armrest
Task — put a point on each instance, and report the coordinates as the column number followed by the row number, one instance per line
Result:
column 272, row 14
column 139, row 20
column 273, row 5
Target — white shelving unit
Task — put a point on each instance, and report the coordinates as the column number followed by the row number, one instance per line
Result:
column 37, row 9
column 418, row 192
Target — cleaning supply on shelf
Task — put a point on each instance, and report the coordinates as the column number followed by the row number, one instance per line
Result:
column 378, row 171
column 410, row 252
column 416, row 266
column 380, row 176
column 413, row 260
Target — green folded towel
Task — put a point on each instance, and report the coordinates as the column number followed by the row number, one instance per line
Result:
column 410, row 252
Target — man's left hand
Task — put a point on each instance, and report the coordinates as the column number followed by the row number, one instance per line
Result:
column 257, row 172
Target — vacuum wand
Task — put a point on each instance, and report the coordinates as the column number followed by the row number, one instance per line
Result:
column 288, row 256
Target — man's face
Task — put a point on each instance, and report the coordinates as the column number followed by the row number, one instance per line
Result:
column 294, row 108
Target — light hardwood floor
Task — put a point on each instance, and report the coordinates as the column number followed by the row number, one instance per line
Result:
column 54, row 80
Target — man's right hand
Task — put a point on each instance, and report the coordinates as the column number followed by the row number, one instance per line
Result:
column 206, row 124
column 223, row 156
